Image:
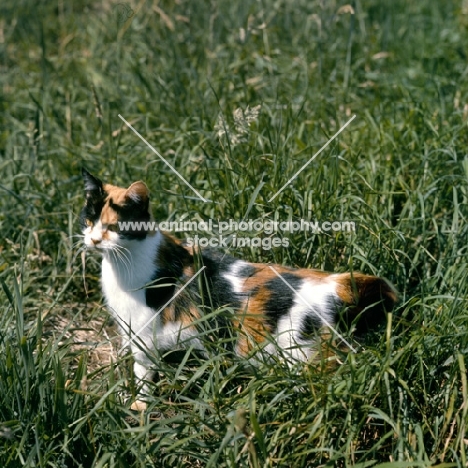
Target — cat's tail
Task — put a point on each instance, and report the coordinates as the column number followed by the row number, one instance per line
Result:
column 367, row 300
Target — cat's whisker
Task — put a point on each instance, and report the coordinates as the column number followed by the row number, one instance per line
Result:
column 124, row 259
column 126, row 256
column 123, row 255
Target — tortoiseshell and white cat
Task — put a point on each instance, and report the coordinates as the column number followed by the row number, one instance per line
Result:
column 142, row 271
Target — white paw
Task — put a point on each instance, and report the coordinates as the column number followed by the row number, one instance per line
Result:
column 138, row 405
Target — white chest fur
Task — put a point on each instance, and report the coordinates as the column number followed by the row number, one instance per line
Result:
column 125, row 273
column 124, row 276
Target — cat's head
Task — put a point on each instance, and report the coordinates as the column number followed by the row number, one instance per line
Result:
column 108, row 211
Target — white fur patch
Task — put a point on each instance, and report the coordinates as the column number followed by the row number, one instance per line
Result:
column 312, row 299
column 233, row 277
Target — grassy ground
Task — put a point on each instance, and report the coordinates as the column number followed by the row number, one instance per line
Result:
column 178, row 71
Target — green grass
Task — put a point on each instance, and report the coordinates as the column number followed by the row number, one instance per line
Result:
column 400, row 171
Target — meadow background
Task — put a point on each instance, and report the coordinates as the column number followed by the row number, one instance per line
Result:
column 187, row 75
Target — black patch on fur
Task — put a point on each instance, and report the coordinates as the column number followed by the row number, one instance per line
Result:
column 309, row 326
column 217, row 292
column 376, row 299
column 246, row 271
column 136, row 212
column 313, row 320
column 92, row 184
column 95, row 197
column 218, row 289
column 172, row 258
column 281, row 297
column 161, row 289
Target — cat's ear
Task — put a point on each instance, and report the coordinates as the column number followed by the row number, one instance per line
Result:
column 138, row 192
column 92, row 184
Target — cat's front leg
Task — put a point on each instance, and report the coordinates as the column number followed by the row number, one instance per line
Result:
column 143, row 372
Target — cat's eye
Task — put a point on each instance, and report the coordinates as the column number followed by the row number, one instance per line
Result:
column 113, row 228
column 89, row 223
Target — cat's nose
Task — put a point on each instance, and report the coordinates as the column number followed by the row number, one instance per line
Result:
column 96, row 241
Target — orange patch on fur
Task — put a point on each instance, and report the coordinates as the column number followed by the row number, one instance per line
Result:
column 345, row 289
column 314, row 275
column 263, row 273
column 137, row 191
column 251, row 321
column 117, row 195
column 108, row 215
column 190, row 316
column 360, row 289
column 188, row 271
column 168, row 315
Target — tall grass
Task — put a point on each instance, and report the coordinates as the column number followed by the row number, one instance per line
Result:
column 177, row 71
